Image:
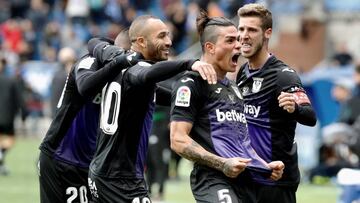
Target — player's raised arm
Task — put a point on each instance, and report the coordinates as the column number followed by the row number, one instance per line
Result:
column 147, row 73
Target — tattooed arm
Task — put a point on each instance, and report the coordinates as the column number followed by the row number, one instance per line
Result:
column 186, row 147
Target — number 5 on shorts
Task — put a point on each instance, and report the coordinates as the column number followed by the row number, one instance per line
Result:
column 224, row 196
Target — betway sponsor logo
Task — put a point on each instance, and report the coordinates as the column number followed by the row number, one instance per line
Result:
column 252, row 110
column 230, row 116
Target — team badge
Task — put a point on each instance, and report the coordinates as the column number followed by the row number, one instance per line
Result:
column 257, row 84
column 183, row 95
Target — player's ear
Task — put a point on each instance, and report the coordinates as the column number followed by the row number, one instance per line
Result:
column 268, row 33
column 209, row 47
column 141, row 41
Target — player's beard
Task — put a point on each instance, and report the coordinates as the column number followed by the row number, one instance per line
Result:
column 256, row 51
column 156, row 54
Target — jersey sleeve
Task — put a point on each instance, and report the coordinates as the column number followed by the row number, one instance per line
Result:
column 163, row 92
column 289, row 81
column 103, row 50
column 186, row 99
column 91, row 76
column 147, row 73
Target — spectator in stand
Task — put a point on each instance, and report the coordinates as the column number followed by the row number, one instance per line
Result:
column 342, row 56
column 351, row 107
column 341, row 92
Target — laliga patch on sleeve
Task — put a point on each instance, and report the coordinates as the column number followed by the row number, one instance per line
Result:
column 183, row 95
column 86, row 63
column 301, row 97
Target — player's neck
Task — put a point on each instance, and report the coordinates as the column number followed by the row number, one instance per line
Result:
column 210, row 60
column 258, row 61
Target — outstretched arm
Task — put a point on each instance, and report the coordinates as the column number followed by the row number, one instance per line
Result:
column 103, row 50
column 91, row 77
column 147, row 73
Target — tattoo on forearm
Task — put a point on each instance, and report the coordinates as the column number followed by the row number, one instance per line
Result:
column 195, row 153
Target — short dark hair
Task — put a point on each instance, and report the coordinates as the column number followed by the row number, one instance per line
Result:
column 138, row 26
column 257, row 10
column 207, row 27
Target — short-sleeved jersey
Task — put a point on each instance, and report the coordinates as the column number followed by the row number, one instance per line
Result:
column 217, row 114
column 71, row 136
column 271, row 128
column 126, row 117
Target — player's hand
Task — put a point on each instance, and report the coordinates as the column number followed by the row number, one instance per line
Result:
column 95, row 41
column 287, row 101
column 206, row 71
column 234, row 166
column 277, row 169
column 125, row 60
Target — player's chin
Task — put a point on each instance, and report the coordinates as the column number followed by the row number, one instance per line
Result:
column 164, row 56
column 231, row 68
column 246, row 54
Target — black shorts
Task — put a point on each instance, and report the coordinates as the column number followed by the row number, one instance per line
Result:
column 119, row 190
column 61, row 182
column 7, row 129
column 211, row 186
column 273, row 193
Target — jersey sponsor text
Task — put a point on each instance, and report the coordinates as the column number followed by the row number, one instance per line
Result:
column 230, row 116
column 252, row 110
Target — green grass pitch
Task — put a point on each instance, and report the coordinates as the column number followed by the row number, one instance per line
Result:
column 21, row 186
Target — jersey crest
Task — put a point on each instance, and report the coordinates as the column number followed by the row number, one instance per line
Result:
column 257, row 84
column 183, row 95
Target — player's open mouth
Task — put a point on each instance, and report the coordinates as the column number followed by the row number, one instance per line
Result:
column 235, row 58
column 245, row 47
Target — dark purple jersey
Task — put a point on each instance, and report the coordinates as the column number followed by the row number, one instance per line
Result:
column 126, row 118
column 72, row 134
column 78, row 145
column 217, row 114
column 272, row 129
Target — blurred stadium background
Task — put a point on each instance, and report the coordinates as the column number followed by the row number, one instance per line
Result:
column 318, row 38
